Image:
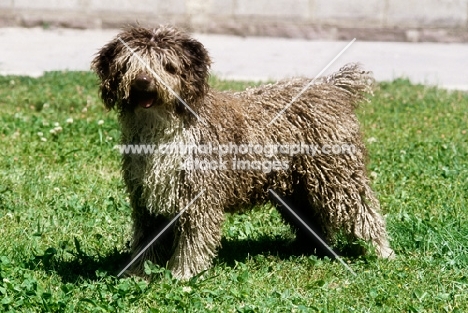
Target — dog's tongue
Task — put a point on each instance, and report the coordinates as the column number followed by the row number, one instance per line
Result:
column 146, row 103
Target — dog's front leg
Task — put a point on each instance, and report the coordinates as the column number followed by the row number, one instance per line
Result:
column 198, row 236
column 145, row 227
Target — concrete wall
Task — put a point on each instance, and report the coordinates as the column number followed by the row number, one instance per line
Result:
column 413, row 20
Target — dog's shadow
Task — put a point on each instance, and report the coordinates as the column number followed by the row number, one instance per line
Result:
column 86, row 266
column 80, row 266
column 233, row 251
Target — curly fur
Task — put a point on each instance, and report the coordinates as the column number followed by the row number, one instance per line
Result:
column 332, row 190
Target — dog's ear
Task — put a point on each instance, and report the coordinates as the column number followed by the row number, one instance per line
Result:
column 103, row 65
column 196, row 70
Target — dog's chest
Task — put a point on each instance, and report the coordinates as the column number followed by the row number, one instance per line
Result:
column 162, row 179
column 159, row 170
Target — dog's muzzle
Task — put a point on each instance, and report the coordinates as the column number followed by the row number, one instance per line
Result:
column 144, row 91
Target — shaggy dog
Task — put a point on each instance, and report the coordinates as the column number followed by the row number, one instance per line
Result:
column 147, row 74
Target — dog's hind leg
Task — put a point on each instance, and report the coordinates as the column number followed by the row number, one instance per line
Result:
column 369, row 224
column 198, row 236
column 306, row 241
column 352, row 209
column 339, row 191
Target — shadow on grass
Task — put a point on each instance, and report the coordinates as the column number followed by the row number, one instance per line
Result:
column 233, row 251
column 82, row 265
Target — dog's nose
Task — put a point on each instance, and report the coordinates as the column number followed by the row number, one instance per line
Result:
column 142, row 81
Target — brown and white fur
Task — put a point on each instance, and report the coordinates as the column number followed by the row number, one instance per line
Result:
column 330, row 190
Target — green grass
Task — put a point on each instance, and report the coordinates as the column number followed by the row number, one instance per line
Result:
column 65, row 219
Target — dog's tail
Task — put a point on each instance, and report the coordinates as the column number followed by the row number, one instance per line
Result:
column 354, row 80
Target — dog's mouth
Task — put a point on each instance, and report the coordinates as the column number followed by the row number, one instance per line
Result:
column 146, row 100
column 143, row 99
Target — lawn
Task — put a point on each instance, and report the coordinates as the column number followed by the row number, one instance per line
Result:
column 65, row 218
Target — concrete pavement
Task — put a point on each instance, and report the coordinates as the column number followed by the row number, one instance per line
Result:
column 31, row 51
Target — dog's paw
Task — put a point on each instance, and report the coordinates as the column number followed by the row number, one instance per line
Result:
column 385, row 252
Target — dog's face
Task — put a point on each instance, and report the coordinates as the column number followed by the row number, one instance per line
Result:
column 140, row 67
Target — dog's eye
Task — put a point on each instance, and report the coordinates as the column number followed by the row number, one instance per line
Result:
column 170, row 68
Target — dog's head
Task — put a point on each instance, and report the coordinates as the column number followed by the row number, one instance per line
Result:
column 149, row 67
